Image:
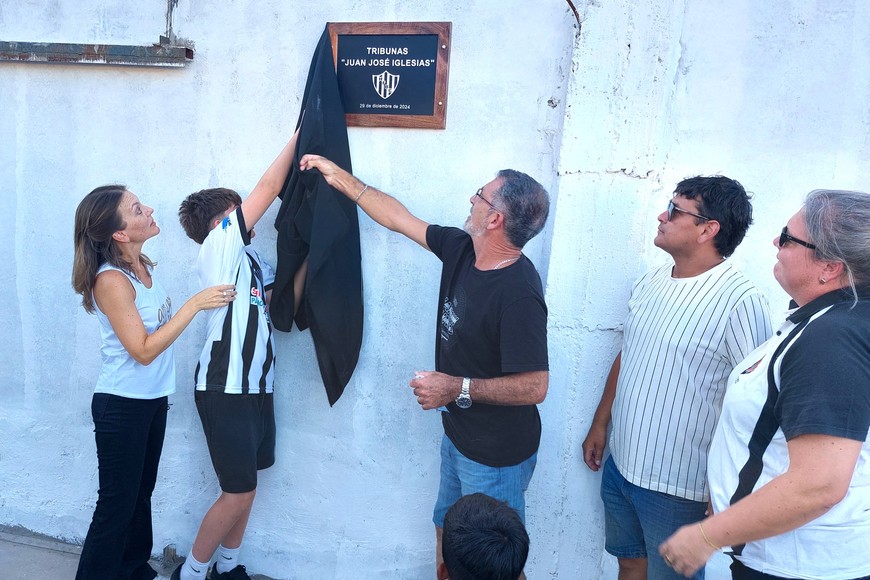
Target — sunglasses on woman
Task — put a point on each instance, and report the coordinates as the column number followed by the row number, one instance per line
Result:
column 786, row 237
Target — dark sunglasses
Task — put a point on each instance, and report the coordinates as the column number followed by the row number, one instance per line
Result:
column 785, row 238
column 672, row 208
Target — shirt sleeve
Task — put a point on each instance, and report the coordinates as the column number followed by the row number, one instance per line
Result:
column 825, row 379
column 748, row 327
column 434, row 239
column 222, row 251
column 444, row 241
column 524, row 337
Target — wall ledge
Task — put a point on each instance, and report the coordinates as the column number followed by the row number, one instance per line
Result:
column 162, row 54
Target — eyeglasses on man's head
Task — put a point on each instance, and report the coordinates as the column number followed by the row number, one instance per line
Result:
column 479, row 193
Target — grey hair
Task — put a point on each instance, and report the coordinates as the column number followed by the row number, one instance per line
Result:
column 526, row 206
column 838, row 223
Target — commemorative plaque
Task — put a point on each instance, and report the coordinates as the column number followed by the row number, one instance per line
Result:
column 392, row 74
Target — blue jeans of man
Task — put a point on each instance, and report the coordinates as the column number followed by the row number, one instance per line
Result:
column 462, row 476
column 637, row 520
column 129, row 436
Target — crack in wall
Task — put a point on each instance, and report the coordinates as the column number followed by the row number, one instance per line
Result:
column 632, row 173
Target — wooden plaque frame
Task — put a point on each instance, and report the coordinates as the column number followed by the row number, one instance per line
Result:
column 438, row 120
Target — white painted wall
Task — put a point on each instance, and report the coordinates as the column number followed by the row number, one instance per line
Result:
column 775, row 95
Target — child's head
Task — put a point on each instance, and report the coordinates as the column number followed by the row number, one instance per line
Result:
column 200, row 212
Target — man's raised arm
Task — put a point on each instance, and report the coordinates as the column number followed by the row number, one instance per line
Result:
column 384, row 209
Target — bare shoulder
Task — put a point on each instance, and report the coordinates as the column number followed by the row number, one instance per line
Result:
column 112, row 286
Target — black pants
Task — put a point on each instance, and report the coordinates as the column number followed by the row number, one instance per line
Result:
column 741, row 572
column 129, row 435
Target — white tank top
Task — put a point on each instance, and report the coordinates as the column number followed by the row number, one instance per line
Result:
column 120, row 374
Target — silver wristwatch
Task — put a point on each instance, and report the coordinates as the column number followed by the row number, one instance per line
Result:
column 463, row 401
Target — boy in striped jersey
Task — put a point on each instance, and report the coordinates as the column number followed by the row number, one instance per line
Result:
column 235, row 370
column 689, row 323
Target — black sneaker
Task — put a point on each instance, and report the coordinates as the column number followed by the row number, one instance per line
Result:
column 176, row 574
column 143, row 572
column 237, row 573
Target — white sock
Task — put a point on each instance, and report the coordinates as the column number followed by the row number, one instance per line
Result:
column 227, row 559
column 193, row 569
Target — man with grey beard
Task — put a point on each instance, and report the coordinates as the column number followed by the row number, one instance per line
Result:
column 491, row 365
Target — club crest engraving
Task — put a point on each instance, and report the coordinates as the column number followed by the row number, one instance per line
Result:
column 385, row 84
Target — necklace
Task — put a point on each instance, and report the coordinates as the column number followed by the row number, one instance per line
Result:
column 503, row 262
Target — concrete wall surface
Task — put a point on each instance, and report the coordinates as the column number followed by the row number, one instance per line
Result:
column 608, row 116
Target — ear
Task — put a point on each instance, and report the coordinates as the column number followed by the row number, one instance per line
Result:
column 120, row 236
column 494, row 220
column 833, row 271
column 709, row 231
column 441, row 572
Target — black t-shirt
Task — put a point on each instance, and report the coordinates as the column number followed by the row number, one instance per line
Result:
column 490, row 324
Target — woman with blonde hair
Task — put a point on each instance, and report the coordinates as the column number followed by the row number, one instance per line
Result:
column 129, row 406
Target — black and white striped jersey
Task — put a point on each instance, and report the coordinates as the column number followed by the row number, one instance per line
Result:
column 239, row 352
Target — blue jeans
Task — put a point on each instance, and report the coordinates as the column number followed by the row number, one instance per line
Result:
column 638, row 520
column 129, row 435
column 461, row 476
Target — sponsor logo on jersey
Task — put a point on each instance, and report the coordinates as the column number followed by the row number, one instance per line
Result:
column 257, row 298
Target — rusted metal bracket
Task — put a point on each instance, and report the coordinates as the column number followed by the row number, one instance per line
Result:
column 163, row 54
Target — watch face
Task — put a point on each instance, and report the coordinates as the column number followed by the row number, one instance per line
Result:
column 463, row 402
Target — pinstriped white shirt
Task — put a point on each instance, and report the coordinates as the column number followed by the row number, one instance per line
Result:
column 681, row 340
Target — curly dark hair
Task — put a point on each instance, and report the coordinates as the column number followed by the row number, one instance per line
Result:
column 724, row 200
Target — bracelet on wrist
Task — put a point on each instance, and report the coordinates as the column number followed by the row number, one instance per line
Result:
column 706, row 539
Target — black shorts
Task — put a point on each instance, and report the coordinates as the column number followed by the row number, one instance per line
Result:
column 739, row 571
column 240, row 432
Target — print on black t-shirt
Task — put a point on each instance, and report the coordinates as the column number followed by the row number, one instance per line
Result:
column 452, row 317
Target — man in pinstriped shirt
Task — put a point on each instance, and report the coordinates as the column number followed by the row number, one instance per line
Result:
column 689, row 323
